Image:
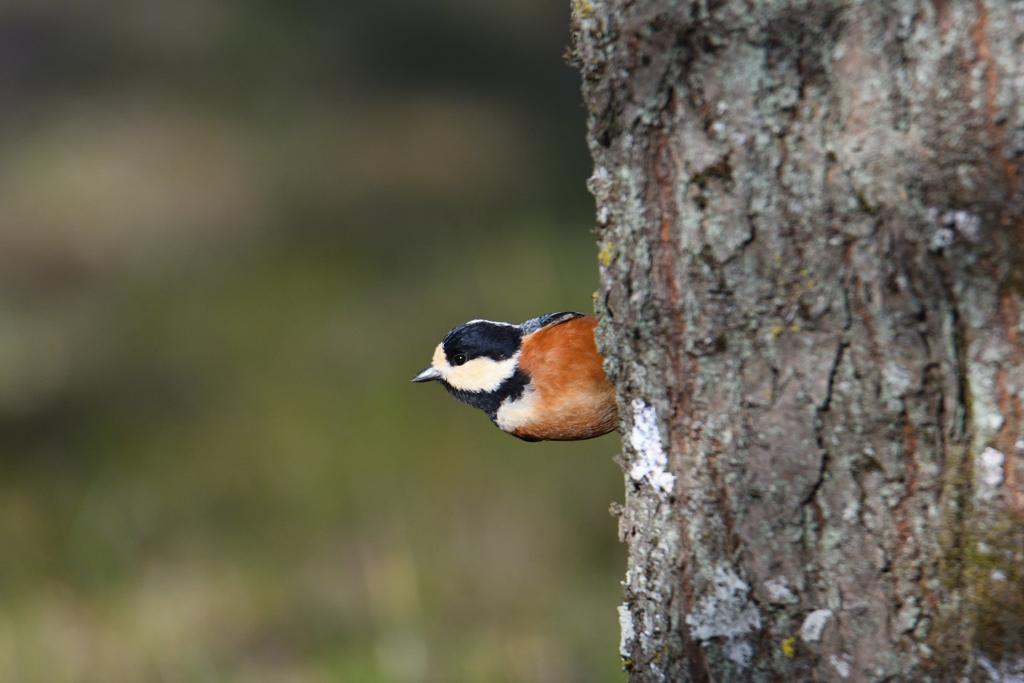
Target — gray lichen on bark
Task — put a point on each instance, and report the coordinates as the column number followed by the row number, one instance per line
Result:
column 810, row 224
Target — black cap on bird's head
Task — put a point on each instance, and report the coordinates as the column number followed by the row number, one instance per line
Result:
column 475, row 357
column 482, row 339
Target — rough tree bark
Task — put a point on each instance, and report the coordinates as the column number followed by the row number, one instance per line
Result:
column 810, row 220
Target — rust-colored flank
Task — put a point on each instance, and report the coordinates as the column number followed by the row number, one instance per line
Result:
column 566, row 371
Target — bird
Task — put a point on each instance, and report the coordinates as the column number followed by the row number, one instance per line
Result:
column 542, row 380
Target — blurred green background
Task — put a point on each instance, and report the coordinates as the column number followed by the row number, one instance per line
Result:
column 230, row 233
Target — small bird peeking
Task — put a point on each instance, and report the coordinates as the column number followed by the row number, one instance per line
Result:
column 542, row 380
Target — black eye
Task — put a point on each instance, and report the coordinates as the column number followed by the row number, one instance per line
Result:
column 458, row 359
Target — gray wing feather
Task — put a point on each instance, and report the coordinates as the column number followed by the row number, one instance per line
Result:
column 534, row 324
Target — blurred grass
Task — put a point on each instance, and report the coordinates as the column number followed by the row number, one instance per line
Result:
column 230, row 233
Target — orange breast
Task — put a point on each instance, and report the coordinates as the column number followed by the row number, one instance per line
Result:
column 573, row 398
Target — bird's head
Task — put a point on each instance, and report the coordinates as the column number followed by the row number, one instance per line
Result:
column 477, row 356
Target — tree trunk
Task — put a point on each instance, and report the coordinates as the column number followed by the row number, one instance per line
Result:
column 810, row 220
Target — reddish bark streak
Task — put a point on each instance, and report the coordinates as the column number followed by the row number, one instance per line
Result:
column 664, row 176
column 994, row 130
column 1009, row 312
column 941, row 17
column 901, row 527
column 1009, row 408
column 909, row 450
column 929, row 597
column 1009, row 405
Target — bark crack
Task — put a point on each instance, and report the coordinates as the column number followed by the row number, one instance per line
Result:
column 824, row 407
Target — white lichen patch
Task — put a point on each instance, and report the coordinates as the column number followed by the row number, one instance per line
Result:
column 991, row 462
column 778, row 592
column 650, row 461
column 945, row 222
column 1006, row 671
column 942, row 238
column 727, row 613
column 967, row 224
column 841, row 663
column 851, row 512
column 814, row 624
column 739, row 651
column 628, row 634
column 600, row 183
column 896, row 381
column 907, row 616
column 981, row 378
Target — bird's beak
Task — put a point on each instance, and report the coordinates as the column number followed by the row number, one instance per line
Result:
column 427, row 375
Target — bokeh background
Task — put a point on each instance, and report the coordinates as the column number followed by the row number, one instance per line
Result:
column 230, row 233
